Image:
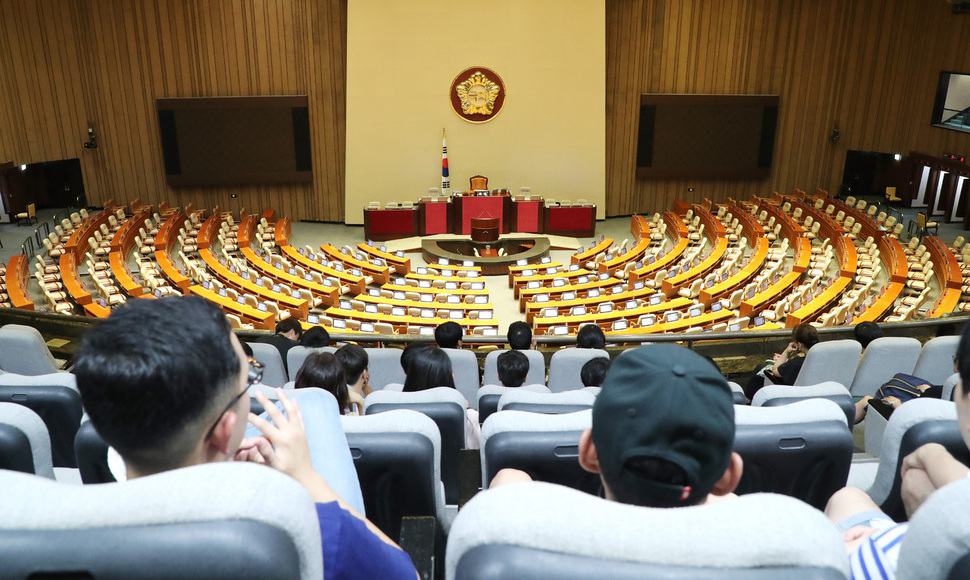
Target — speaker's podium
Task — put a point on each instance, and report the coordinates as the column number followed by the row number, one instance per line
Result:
column 491, row 204
column 485, row 229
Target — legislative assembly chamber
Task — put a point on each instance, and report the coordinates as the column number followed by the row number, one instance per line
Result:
column 525, row 289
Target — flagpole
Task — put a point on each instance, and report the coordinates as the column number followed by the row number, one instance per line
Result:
column 445, row 179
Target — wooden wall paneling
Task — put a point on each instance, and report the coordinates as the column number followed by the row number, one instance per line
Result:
column 66, row 63
column 866, row 66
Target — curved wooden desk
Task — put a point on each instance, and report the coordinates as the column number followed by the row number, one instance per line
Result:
column 258, row 318
column 607, row 317
column 327, row 294
column 404, row 321
column 356, row 284
column 400, row 264
column 380, row 274
column 754, row 264
column 464, row 306
column 705, row 319
column 16, row 279
column 676, row 225
column 590, row 253
column 631, row 255
column 948, row 274
column 433, row 290
column 297, row 307
column 526, row 294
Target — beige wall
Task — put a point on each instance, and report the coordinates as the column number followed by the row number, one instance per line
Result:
column 401, row 59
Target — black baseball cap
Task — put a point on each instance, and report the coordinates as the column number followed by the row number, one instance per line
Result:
column 663, row 402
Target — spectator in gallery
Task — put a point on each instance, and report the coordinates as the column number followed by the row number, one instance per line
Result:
column 785, row 366
column 408, row 354
column 656, row 403
column 287, row 335
column 355, row 361
column 316, row 337
column 520, row 335
column 594, row 371
column 591, row 336
column 180, row 355
column 448, row 335
column 866, row 332
column 429, row 368
column 513, row 368
column 872, row 538
column 324, row 370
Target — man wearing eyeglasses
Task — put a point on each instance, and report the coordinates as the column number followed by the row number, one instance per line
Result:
column 165, row 383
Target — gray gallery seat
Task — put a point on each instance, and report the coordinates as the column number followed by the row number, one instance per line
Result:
column 533, row 531
column 24, row 442
column 397, row 455
column 217, row 521
column 550, row 403
column 831, row 360
column 274, row 375
column 464, row 365
column 384, row 367
column 296, row 355
column 565, row 365
column 775, row 395
column 802, row 449
column 935, row 362
column 909, row 415
column 937, row 543
column 24, row 351
column 446, row 407
column 489, row 395
column 883, row 358
column 544, row 446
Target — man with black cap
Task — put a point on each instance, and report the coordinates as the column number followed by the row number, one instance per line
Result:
column 663, row 431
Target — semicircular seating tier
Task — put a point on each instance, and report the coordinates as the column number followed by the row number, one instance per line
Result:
column 765, row 263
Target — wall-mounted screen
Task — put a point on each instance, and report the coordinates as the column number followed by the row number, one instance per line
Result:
column 951, row 110
column 706, row 136
column 235, row 140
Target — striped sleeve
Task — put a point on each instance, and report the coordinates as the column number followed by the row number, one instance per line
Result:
column 876, row 558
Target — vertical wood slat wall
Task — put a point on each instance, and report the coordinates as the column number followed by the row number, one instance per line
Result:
column 868, row 67
column 65, row 64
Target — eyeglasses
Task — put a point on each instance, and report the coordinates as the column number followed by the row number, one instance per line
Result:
column 253, row 376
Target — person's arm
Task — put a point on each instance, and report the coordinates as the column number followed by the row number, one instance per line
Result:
column 788, row 371
column 285, row 449
column 926, row 470
column 780, row 359
column 941, row 467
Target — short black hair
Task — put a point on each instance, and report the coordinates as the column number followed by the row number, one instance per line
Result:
column 153, row 373
column 448, row 334
column 590, row 336
column 288, row 324
column 246, row 348
column 513, row 368
column 355, row 361
column 594, row 371
column 866, row 332
column 324, row 371
column 429, row 368
column 315, row 337
column 520, row 335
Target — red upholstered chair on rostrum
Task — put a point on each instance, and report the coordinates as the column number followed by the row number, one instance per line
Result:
column 477, row 182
